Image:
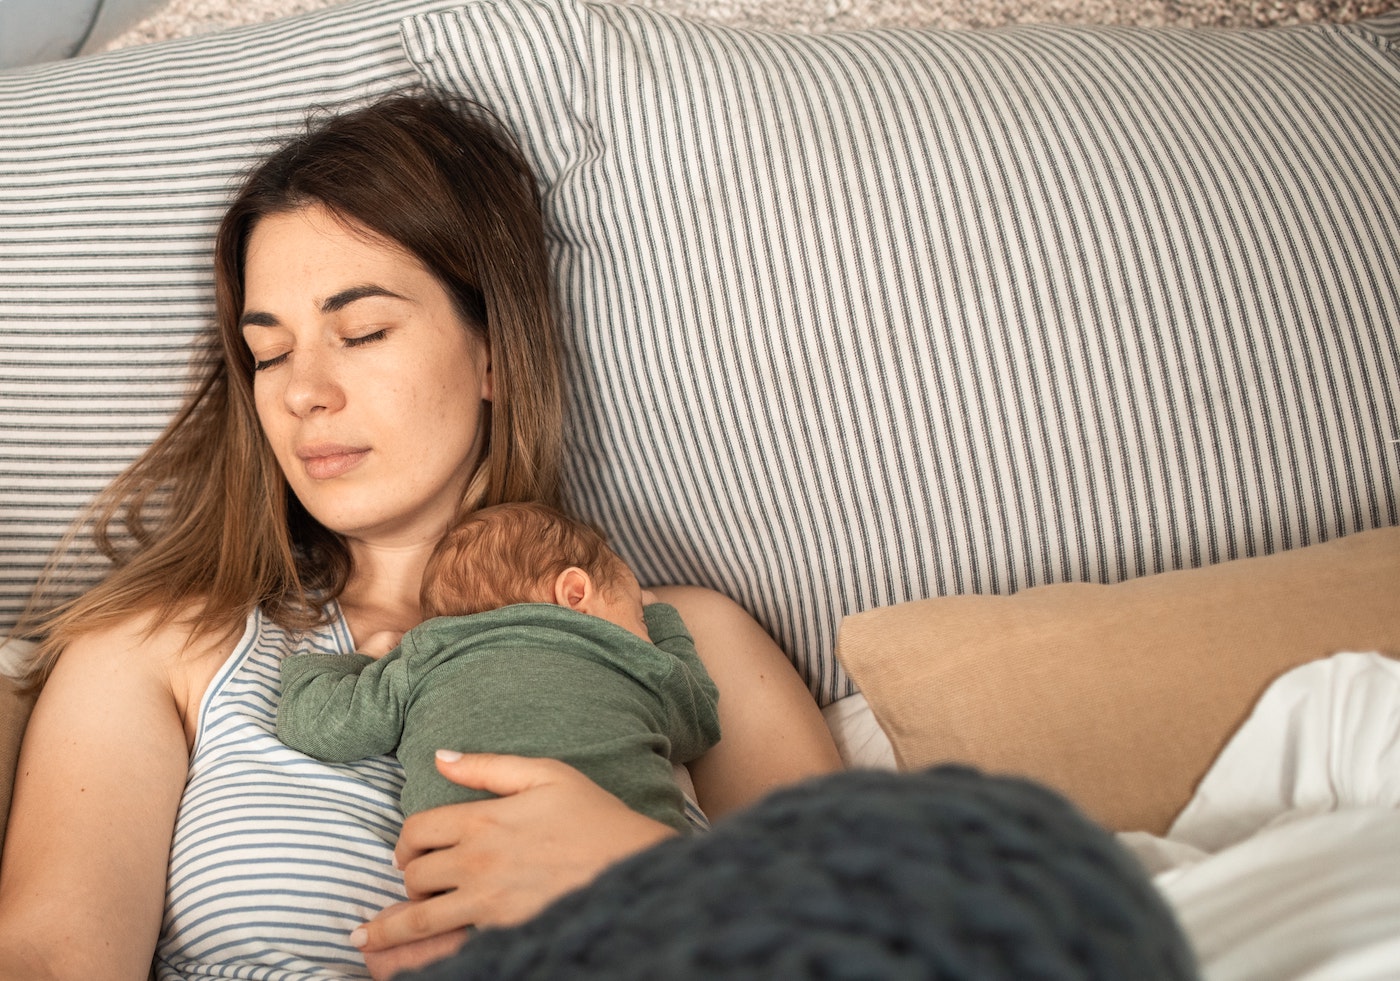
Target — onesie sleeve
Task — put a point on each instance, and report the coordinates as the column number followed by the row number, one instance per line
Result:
column 668, row 631
column 342, row 707
column 690, row 698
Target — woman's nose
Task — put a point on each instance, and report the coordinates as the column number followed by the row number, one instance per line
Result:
column 312, row 387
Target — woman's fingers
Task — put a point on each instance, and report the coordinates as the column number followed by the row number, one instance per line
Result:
column 436, row 872
column 432, row 830
column 500, row 774
column 413, row 923
column 505, row 776
column 384, row 964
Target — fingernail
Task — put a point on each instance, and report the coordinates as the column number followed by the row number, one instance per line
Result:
column 359, row 937
column 449, row 755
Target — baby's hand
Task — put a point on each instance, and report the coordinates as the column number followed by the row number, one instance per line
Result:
column 378, row 644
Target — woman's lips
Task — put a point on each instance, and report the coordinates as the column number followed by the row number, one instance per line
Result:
column 325, row 462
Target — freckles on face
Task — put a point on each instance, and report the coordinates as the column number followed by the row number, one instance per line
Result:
column 369, row 386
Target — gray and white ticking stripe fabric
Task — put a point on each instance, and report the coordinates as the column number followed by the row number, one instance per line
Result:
column 859, row 318
column 1385, row 25
column 113, row 173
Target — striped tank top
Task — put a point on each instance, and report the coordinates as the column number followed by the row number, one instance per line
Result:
column 276, row 856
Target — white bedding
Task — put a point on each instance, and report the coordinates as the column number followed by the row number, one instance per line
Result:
column 12, row 656
column 1286, row 862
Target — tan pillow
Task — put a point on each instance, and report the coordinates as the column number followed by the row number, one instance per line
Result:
column 1119, row 696
column 14, row 713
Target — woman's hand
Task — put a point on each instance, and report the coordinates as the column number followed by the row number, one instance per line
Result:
column 499, row 862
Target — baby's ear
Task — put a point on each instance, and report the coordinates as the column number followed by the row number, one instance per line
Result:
column 573, row 588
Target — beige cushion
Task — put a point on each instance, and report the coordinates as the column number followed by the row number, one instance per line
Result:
column 1119, row 696
column 14, row 713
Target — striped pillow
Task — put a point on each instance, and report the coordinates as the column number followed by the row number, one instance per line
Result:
column 113, row 173
column 860, row 318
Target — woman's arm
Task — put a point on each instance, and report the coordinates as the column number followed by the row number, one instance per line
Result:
column 772, row 732
column 498, row 862
column 82, row 880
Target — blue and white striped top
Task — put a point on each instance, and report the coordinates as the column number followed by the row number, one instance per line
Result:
column 276, row 856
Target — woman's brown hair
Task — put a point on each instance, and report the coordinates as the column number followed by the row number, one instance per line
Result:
column 203, row 525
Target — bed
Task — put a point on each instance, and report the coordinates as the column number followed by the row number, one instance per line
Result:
column 1037, row 388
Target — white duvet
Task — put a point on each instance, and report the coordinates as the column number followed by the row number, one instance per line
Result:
column 1286, row 862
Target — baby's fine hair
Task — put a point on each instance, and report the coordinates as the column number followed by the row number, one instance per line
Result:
column 512, row 553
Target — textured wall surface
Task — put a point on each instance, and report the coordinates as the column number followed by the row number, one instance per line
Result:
column 180, row 18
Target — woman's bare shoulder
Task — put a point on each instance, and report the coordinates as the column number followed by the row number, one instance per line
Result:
column 152, row 640
column 175, row 654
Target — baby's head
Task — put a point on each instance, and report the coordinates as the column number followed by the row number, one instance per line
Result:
column 530, row 553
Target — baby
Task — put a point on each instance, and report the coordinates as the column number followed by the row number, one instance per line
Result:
column 539, row 645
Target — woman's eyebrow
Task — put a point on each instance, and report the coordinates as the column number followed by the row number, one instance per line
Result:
column 331, row 304
column 256, row 318
column 342, row 299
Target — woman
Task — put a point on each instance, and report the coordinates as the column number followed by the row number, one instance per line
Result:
column 385, row 360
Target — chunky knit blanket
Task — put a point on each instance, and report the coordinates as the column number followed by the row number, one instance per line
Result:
column 947, row 874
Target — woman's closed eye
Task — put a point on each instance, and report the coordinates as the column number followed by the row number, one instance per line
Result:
column 260, row 363
column 378, row 335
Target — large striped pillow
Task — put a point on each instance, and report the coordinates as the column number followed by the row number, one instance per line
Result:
column 861, row 318
column 113, row 173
